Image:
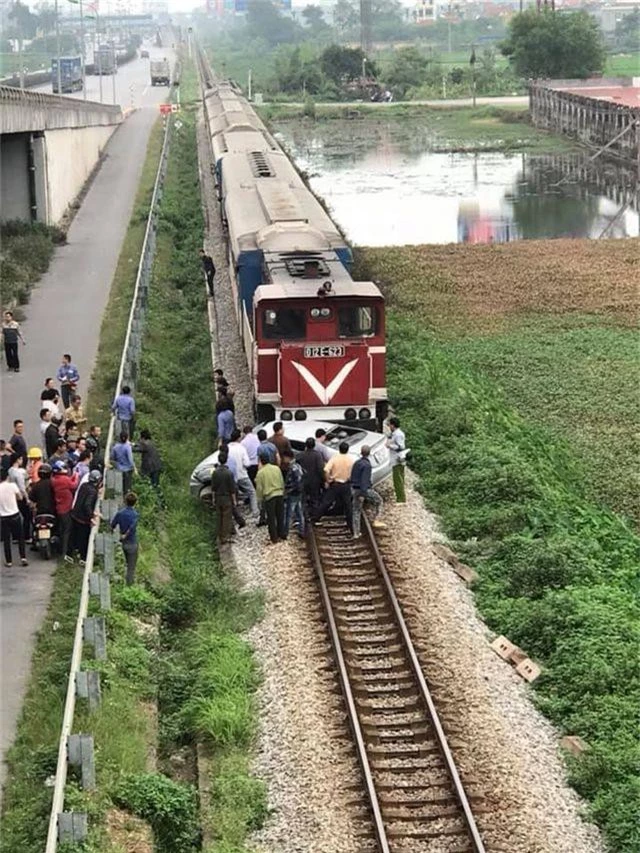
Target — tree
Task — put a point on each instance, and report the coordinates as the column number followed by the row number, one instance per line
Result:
column 25, row 23
column 627, row 34
column 46, row 18
column 314, row 17
column 346, row 16
column 408, row 69
column 296, row 72
column 264, row 20
column 547, row 44
column 344, row 64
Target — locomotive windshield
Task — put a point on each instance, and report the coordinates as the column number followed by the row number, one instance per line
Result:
column 287, row 324
column 356, row 321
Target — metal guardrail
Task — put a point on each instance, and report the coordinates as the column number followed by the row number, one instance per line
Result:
column 10, row 96
column 78, row 749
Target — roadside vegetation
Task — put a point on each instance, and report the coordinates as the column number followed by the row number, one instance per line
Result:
column 314, row 55
column 26, row 250
column 123, row 727
column 517, row 394
column 348, row 131
column 179, row 681
column 206, row 674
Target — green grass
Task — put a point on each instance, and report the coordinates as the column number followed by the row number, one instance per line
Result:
column 580, row 379
column 622, row 65
column 121, row 728
column 207, row 676
column 485, row 128
column 26, row 250
column 496, row 400
column 10, row 62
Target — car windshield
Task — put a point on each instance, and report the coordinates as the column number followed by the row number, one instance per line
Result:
column 342, row 433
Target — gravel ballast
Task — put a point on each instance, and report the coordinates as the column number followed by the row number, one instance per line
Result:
column 507, row 752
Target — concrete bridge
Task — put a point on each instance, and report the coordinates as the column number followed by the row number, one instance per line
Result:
column 49, row 146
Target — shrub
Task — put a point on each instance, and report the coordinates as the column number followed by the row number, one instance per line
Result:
column 170, row 808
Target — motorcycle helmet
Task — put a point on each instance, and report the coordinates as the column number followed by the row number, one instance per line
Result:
column 59, row 466
column 34, row 453
column 95, row 477
column 45, row 470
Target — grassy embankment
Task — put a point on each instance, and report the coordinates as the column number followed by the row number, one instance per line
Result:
column 206, row 675
column 422, row 128
column 122, row 726
column 26, row 250
column 198, row 670
column 515, row 371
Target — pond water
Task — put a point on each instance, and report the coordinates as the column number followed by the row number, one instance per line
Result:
column 386, row 191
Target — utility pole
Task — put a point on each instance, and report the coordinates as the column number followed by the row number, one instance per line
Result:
column 365, row 25
column 82, row 56
column 58, row 49
column 20, row 48
column 99, row 52
column 249, row 82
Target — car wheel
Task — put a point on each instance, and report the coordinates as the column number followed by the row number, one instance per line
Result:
column 206, row 495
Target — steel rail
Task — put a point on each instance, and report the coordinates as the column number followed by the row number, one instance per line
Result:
column 57, row 804
column 441, row 740
column 378, row 822
column 445, row 750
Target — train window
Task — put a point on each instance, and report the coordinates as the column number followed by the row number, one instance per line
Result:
column 356, row 321
column 286, row 324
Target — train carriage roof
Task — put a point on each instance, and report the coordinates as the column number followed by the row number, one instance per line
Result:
column 300, row 289
column 268, row 206
column 239, row 139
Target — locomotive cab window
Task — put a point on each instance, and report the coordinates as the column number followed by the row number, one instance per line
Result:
column 356, row 321
column 288, row 324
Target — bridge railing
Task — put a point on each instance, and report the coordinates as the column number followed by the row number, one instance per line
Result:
column 77, row 749
column 10, row 96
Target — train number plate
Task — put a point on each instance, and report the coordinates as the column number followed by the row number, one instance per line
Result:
column 324, row 352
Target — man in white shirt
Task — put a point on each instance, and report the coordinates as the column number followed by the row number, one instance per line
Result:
column 251, row 443
column 321, row 447
column 396, row 445
column 45, row 420
column 10, row 519
column 239, row 455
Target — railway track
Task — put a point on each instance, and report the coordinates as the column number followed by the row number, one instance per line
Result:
column 416, row 799
column 418, row 803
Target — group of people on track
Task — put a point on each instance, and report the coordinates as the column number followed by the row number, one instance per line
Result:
column 59, row 478
column 282, row 488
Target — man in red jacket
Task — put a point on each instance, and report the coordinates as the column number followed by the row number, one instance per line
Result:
column 64, row 487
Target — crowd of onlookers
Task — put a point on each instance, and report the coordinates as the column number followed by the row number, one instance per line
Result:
column 282, row 488
column 56, row 481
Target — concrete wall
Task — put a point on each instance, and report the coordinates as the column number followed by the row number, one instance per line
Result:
column 71, row 155
column 15, row 201
column 21, row 111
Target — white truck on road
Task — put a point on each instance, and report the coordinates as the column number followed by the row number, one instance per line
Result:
column 160, row 72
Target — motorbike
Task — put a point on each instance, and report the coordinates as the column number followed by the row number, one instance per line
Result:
column 44, row 534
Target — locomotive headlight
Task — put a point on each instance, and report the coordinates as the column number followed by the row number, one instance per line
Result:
column 300, row 415
column 325, row 312
column 364, row 414
column 350, row 414
column 286, row 415
column 315, row 312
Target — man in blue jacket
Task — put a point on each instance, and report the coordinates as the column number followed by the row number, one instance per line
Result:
column 124, row 408
column 363, row 492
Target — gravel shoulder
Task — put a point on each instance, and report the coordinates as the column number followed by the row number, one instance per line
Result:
column 303, row 752
column 506, row 750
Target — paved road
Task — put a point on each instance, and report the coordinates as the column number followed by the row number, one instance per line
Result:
column 132, row 83
column 64, row 315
